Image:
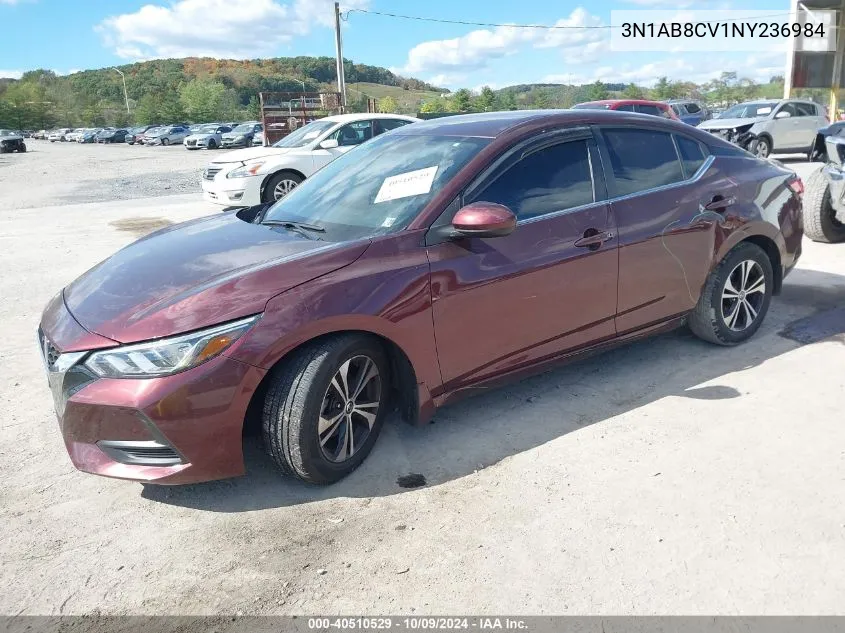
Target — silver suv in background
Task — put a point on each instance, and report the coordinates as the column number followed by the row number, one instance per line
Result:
column 785, row 126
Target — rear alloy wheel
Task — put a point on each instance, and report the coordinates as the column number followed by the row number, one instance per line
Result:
column 735, row 298
column 820, row 222
column 325, row 407
column 281, row 185
column 761, row 147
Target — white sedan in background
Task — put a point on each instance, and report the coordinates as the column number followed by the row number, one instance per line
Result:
column 256, row 175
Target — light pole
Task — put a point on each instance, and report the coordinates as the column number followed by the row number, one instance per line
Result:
column 125, row 94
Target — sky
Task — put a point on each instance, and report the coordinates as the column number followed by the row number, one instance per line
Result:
column 71, row 35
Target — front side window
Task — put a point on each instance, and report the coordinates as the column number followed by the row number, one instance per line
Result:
column 653, row 110
column 354, row 133
column 552, row 179
column 385, row 125
column 693, row 108
column 641, row 159
column 625, row 107
column 805, row 109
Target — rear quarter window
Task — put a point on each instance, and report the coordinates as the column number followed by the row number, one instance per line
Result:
column 641, row 159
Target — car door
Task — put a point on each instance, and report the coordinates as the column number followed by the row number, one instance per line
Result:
column 657, row 182
column 347, row 136
column 808, row 122
column 785, row 130
column 504, row 303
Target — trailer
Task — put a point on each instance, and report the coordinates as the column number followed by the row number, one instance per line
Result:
column 285, row 112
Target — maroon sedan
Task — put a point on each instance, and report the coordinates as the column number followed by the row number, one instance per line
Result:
column 427, row 264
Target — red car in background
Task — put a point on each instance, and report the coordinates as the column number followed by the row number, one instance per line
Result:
column 643, row 106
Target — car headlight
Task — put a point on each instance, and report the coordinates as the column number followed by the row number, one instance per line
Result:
column 248, row 169
column 168, row 355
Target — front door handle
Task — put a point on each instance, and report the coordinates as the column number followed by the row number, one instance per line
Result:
column 718, row 203
column 593, row 238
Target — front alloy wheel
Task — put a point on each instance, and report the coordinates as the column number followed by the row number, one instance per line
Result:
column 349, row 408
column 325, row 406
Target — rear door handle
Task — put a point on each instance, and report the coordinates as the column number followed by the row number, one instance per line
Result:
column 719, row 203
column 593, row 238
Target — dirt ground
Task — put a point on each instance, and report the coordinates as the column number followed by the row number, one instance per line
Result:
column 666, row 477
column 69, row 173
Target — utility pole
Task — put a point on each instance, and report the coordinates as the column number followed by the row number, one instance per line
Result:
column 341, row 79
column 125, row 95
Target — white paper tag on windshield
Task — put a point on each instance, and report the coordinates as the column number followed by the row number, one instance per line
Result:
column 761, row 111
column 311, row 135
column 411, row 183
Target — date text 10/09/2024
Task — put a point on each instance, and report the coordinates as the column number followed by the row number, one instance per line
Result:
column 418, row 624
column 722, row 29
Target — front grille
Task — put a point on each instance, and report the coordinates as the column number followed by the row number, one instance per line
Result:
column 141, row 453
column 48, row 350
column 211, row 172
column 191, row 143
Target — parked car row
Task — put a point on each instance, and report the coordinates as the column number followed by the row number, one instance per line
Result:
column 206, row 135
column 385, row 264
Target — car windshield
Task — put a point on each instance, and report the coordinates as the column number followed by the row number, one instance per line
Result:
column 243, row 128
column 305, row 134
column 592, row 106
column 378, row 187
column 206, row 129
column 747, row 110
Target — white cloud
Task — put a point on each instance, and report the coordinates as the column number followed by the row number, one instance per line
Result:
column 475, row 49
column 10, row 74
column 656, row 4
column 443, row 79
column 239, row 29
column 696, row 69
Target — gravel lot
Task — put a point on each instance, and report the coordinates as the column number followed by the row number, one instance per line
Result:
column 666, row 477
column 69, row 173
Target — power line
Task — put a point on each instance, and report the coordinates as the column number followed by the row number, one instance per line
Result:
column 345, row 17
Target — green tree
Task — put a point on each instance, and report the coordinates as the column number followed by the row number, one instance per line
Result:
column 486, row 101
column 254, row 107
column 462, row 100
column 203, row 99
column 507, row 101
column 633, row 91
column 388, row 104
column 438, row 104
column 598, row 91
column 171, row 109
column 149, row 110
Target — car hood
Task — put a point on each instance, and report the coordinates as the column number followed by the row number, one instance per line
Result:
column 14, row 137
column 720, row 124
column 198, row 274
column 251, row 153
column 197, row 137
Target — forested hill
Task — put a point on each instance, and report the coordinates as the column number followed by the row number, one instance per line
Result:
column 157, row 89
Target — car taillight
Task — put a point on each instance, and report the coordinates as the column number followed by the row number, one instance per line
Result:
column 796, row 185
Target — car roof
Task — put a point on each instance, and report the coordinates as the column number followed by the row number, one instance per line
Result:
column 493, row 124
column 624, row 101
column 365, row 116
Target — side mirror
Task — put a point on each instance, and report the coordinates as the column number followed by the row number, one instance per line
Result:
column 483, row 219
column 329, row 143
column 782, row 115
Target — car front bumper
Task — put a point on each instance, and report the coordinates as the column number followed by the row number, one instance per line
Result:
column 232, row 192
column 177, row 429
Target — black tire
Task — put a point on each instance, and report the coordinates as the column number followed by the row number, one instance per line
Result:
column 298, row 390
column 22, row 150
column 165, row 141
column 761, row 147
column 3, row 150
column 269, row 194
column 212, row 144
column 820, row 223
column 708, row 320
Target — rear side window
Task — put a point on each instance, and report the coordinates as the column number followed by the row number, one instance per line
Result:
column 692, row 108
column 692, row 156
column 649, row 109
column 641, row 159
column 552, row 179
